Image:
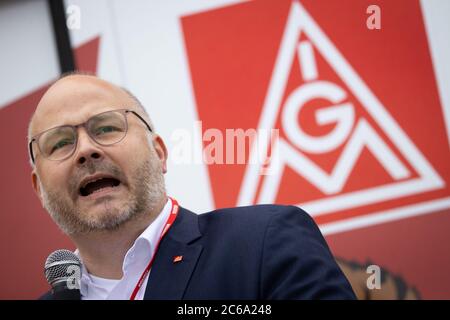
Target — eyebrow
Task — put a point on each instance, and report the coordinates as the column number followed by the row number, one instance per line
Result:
column 74, row 123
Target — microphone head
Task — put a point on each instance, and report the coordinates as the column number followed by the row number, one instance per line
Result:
column 61, row 265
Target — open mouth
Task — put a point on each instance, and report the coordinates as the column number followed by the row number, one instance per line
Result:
column 98, row 185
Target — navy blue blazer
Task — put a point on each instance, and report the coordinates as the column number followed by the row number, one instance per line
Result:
column 254, row 252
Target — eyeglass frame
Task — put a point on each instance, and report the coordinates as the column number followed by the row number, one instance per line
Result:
column 83, row 124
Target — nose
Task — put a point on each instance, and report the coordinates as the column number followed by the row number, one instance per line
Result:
column 88, row 150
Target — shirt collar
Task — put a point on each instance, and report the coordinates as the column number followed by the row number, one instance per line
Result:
column 140, row 252
column 144, row 246
column 152, row 233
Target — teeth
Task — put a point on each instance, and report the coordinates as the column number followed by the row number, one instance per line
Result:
column 85, row 192
column 87, row 182
column 101, row 189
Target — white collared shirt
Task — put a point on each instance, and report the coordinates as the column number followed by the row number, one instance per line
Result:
column 136, row 260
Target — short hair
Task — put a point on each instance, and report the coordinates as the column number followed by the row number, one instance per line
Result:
column 140, row 106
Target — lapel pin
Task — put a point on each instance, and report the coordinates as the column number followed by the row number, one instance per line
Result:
column 177, row 259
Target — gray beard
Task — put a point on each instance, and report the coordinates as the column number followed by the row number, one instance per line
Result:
column 147, row 192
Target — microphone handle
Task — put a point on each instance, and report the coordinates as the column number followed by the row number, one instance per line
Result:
column 61, row 292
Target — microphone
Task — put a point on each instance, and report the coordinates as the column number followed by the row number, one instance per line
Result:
column 63, row 272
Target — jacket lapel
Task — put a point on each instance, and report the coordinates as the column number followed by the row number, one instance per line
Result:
column 169, row 279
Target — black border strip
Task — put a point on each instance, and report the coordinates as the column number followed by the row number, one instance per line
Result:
column 62, row 37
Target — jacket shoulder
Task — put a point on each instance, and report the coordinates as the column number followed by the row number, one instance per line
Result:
column 251, row 221
column 263, row 211
column 256, row 215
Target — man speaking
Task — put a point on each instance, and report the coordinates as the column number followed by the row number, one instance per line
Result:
column 98, row 169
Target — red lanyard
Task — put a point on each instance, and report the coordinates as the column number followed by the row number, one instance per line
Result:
column 169, row 222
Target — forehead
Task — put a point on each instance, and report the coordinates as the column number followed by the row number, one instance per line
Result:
column 75, row 99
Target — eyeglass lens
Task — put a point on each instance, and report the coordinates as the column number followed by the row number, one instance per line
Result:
column 106, row 129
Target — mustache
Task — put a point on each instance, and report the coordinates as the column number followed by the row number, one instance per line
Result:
column 91, row 168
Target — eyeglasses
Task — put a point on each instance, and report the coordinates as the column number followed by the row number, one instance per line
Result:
column 105, row 128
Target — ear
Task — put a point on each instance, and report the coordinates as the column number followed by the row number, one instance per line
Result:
column 161, row 151
column 36, row 185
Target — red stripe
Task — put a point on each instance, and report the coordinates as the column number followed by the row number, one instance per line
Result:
column 169, row 222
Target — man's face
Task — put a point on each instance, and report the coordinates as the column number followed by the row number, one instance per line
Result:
column 125, row 180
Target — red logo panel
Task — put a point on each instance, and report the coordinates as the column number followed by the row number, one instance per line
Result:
column 361, row 134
